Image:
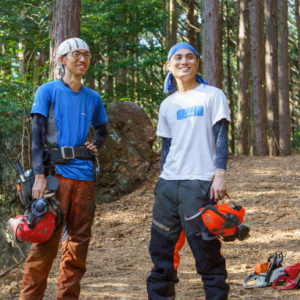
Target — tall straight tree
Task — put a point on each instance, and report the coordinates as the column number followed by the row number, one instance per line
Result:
column 284, row 107
column 243, row 92
column 109, row 80
column 211, row 43
column 198, row 30
column 261, row 144
column 191, row 29
column 229, row 81
column 297, row 13
column 65, row 24
column 166, row 34
column 173, row 21
column 271, row 71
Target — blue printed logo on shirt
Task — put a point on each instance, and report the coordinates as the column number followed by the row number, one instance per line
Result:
column 195, row 111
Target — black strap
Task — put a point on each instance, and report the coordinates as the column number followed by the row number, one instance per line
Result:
column 55, row 155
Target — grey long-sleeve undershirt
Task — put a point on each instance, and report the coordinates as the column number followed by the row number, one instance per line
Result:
column 220, row 130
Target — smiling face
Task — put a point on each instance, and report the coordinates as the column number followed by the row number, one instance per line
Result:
column 77, row 67
column 183, row 65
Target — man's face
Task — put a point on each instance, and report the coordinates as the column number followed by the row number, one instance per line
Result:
column 74, row 63
column 183, row 64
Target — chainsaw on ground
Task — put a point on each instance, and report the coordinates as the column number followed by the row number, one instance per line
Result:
column 266, row 272
column 290, row 278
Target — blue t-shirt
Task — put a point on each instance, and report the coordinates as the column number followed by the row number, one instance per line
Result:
column 69, row 115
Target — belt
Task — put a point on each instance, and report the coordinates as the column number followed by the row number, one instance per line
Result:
column 62, row 155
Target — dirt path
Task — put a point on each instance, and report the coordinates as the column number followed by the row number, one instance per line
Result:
column 119, row 263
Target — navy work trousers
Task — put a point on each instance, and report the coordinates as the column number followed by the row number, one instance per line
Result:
column 174, row 198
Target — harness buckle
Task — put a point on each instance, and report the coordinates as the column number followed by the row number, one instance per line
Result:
column 67, row 152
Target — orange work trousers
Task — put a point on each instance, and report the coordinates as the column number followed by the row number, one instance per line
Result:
column 77, row 201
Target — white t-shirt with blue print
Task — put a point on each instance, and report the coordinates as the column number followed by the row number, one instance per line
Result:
column 69, row 115
column 188, row 119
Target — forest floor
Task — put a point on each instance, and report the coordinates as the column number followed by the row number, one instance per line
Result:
column 118, row 261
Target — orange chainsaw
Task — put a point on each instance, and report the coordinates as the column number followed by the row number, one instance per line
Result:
column 266, row 272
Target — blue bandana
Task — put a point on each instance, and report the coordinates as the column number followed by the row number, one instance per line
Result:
column 169, row 81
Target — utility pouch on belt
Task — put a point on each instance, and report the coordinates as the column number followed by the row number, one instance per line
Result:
column 25, row 193
column 25, row 184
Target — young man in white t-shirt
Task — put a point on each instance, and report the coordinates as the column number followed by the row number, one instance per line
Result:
column 193, row 122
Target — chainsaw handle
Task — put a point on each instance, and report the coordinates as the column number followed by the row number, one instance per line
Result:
column 275, row 260
column 279, row 257
column 272, row 266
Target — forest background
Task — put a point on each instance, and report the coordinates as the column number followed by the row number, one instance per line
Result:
column 248, row 48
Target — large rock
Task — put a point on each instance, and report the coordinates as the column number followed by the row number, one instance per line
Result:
column 127, row 154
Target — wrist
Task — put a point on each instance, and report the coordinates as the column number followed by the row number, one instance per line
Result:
column 220, row 173
column 39, row 176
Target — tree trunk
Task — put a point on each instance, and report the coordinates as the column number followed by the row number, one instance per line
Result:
column 173, row 21
column 198, row 32
column 211, row 43
column 137, row 77
column 121, row 81
column 166, row 34
column 5, row 67
column 222, row 34
column 243, row 92
column 263, row 63
column 297, row 13
column 108, row 85
column 90, row 82
column 37, row 73
column 100, row 74
column 65, row 24
column 284, row 107
column 257, row 76
column 271, row 71
column 229, row 82
column 191, row 33
column 21, row 58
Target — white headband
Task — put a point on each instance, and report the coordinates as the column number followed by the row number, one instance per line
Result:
column 69, row 45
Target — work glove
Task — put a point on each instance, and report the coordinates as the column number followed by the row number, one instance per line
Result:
column 53, row 202
column 53, row 206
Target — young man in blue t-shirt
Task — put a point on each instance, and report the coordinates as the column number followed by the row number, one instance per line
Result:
column 62, row 113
